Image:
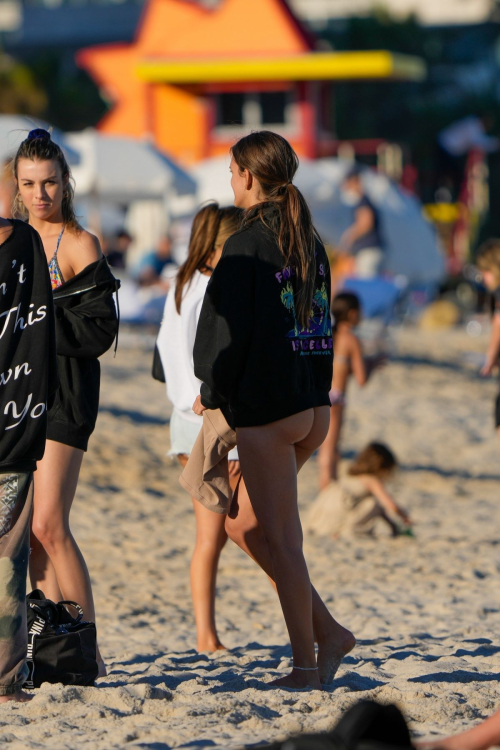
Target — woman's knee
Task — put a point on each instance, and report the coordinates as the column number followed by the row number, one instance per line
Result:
column 240, row 528
column 50, row 532
column 234, row 530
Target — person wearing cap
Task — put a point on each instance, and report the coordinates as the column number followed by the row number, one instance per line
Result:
column 362, row 238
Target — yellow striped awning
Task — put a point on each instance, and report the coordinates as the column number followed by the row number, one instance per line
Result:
column 312, row 66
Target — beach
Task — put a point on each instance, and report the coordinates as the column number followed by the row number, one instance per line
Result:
column 426, row 610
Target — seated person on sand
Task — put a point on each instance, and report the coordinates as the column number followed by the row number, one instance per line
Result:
column 348, row 361
column 152, row 267
column 482, row 736
column 358, row 500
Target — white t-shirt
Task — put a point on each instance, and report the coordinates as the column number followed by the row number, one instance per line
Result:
column 176, row 343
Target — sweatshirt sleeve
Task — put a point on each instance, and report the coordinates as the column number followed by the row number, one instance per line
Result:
column 90, row 326
column 226, row 322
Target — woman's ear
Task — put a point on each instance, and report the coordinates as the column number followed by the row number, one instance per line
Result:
column 249, row 180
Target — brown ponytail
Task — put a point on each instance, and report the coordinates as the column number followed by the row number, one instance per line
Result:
column 273, row 162
column 211, row 228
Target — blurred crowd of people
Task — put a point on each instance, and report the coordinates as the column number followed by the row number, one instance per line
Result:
column 150, row 269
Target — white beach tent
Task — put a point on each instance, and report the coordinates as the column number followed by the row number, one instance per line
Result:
column 124, row 170
column 410, row 241
column 134, row 177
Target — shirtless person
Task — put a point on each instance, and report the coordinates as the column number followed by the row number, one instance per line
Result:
column 348, row 360
column 28, row 377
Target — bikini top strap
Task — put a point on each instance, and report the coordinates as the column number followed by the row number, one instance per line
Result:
column 59, row 240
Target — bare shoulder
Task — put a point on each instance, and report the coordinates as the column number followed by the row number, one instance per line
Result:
column 353, row 342
column 342, row 341
column 82, row 249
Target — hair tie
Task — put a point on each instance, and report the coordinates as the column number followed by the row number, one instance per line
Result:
column 37, row 133
column 289, row 183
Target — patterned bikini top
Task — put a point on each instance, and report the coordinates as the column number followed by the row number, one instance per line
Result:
column 56, row 277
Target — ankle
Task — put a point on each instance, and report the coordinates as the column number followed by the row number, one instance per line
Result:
column 212, row 643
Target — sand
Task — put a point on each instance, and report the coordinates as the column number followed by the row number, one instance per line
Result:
column 426, row 611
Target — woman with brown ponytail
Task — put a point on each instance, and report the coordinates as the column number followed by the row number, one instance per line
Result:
column 264, row 353
column 211, row 228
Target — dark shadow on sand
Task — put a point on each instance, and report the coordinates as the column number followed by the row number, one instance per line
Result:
column 438, row 364
column 459, row 675
column 138, row 417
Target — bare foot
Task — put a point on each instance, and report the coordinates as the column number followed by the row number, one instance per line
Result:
column 298, row 680
column 19, row 697
column 331, row 651
column 210, row 646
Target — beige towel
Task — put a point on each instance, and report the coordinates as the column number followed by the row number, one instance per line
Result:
column 206, row 474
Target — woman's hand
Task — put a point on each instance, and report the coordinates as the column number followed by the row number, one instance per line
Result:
column 198, row 407
column 487, row 369
column 403, row 515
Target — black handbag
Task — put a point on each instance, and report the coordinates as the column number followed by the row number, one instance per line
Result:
column 61, row 648
column 157, row 371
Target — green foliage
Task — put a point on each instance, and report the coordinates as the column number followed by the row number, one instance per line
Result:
column 19, row 91
column 73, row 99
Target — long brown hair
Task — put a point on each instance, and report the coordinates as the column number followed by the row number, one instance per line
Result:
column 273, row 162
column 374, row 459
column 212, row 226
column 39, row 146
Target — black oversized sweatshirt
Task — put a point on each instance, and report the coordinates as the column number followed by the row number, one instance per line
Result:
column 28, row 367
column 86, row 327
column 255, row 361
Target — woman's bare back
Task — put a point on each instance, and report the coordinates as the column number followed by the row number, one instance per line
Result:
column 348, row 359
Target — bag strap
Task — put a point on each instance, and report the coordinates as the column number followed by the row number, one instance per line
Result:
column 76, row 606
column 36, row 629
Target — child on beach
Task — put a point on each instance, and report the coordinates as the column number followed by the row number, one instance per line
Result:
column 488, row 262
column 211, row 228
column 348, row 360
column 354, row 504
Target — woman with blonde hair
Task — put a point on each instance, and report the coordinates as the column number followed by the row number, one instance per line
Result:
column 86, row 326
column 211, row 228
column 264, row 353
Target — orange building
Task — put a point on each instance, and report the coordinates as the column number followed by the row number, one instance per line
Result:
column 195, row 79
